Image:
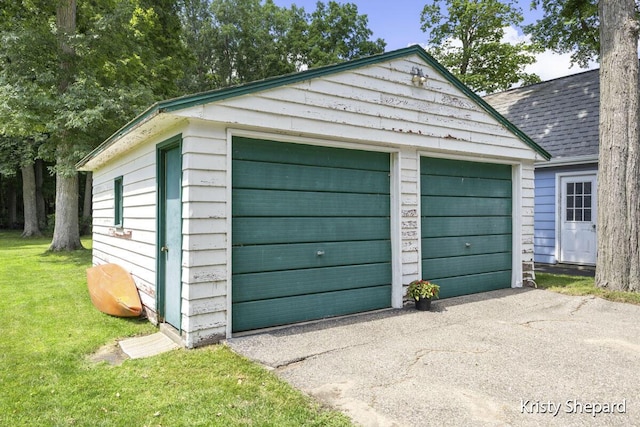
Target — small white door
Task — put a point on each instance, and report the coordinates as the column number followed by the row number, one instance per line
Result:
column 578, row 219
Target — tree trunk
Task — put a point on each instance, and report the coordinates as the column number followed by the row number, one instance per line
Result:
column 66, row 233
column 12, row 204
column 66, row 25
column 618, row 169
column 40, row 204
column 29, row 201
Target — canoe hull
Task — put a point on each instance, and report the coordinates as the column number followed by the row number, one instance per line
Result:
column 113, row 291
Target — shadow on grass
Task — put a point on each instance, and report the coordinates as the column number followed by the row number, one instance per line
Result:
column 11, row 240
column 79, row 257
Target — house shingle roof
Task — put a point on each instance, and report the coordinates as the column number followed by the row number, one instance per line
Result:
column 560, row 115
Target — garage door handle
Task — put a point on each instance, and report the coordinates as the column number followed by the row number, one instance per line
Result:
column 320, row 253
column 468, row 245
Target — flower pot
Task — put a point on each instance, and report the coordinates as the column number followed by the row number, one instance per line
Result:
column 423, row 304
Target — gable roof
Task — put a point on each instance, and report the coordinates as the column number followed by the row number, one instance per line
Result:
column 273, row 82
column 561, row 115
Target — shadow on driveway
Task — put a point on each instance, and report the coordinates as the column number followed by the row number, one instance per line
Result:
column 512, row 357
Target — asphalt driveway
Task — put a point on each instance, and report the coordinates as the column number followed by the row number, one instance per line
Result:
column 520, row 357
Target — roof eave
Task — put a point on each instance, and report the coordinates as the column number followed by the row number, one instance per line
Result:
column 138, row 121
column 568, row 161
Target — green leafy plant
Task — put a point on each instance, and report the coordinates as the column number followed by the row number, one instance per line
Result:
column 422, row 289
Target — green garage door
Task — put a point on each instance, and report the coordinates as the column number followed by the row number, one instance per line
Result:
column 466, row 225
column 311, row 232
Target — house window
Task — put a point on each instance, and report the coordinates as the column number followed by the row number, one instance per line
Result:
column 118, row 206
column 579, row 201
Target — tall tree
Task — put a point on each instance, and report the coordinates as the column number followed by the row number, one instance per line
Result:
column 198, row 34
column 619, row 156
column 17, row 154
column 607, row 31
column 237, row 41
column 76, row 72
column 66, row 234
column 337, row 32
column 568, row 26
column 466, row 36
column 31, row 225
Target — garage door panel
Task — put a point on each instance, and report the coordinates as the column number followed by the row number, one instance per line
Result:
column 465, row 226
column 277, row 284
column 248, row 259
column 442, row 247
column 251, row 231
column 457, row 168
column 279, row 176
column 465, row 206
column 466, row 265
column 252, row 315
column 283, row 152
column 461, row 186
column 465, row 285
column 310, row 232
column 259, row 203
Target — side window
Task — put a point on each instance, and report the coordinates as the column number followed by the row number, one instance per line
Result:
column 118, row 206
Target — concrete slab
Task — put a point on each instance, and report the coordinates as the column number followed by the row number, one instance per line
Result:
column 524, row 357
column 147, row 346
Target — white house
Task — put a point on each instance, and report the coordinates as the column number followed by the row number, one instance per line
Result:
column 315, row 194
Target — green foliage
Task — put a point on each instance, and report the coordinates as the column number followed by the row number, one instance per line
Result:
column 14, row 153
column 50, row 330
column 237, row 41
column 466, row 37
column 422, row 289
column 249, row 40
column 122, row 56
column 568, row 26
column 338, row 33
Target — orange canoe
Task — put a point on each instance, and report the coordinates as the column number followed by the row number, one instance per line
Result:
column 113, row 290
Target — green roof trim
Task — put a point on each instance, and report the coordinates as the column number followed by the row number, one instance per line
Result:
column 273, row 82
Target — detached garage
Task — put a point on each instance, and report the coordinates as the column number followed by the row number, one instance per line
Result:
column 312, row 195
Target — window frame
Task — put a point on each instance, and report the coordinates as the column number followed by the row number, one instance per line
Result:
column 118, row 202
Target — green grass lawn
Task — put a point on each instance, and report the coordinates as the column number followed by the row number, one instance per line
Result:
column 50, row 328
column 576, row 285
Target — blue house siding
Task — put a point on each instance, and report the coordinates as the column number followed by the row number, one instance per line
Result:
column 545, row 216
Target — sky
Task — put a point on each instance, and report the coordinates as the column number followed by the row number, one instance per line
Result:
column 398, row 23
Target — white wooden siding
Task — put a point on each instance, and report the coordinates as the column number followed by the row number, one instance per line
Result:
column 137, row 252
column 410, row 216
column 372, row 107
column 204, row 260
column 527, row 218
column 375, row 104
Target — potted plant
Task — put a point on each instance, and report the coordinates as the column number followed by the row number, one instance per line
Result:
column 422, row 291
